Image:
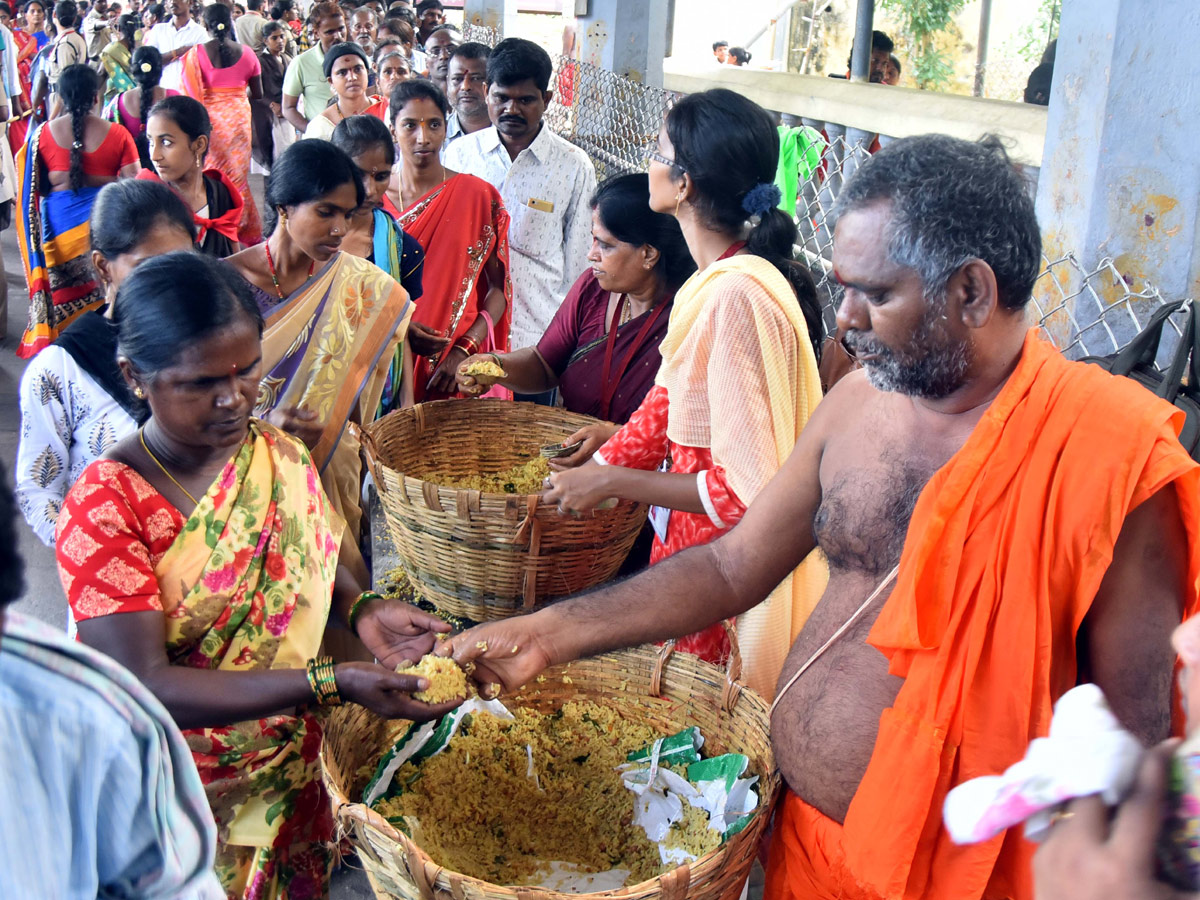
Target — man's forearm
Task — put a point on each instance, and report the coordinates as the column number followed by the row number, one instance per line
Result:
column 292, row 114
column 677, row 596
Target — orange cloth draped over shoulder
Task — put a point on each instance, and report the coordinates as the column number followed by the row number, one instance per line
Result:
column 1005, row 552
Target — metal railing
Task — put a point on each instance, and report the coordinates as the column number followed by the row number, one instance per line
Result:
column 1085, row 312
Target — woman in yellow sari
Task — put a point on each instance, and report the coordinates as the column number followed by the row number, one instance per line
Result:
column 202, row 554
column 333, row 320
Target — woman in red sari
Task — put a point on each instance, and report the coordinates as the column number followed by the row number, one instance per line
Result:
column 461, row 222
column 27, row 48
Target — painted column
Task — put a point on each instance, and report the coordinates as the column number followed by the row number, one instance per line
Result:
column 628, row 38
column 500, row 15
column 1120, row 175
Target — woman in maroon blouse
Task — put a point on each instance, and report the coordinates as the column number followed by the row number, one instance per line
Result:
column 601, row 349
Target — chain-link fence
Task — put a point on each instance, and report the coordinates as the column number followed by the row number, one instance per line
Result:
column 1085, row 312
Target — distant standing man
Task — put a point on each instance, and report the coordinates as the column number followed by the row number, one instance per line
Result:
column 305, row 75
column 721, row 52
column 466, row 84
column 173, row 38
column 546, row 183
column 439, row 46
column 248, row 27
column 95, row 29
column 430, row 14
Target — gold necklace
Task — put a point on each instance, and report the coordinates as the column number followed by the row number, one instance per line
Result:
column 150, row 453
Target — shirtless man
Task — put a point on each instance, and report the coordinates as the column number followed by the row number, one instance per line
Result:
column 937, row 246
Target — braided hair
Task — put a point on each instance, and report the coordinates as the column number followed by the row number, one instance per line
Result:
column 146, row 71
column 79, row 87
column 219, row 22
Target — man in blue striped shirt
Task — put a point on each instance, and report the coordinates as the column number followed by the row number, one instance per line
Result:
column 99, row 793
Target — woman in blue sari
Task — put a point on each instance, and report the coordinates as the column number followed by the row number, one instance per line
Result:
column 64, row 165
column 376, row 236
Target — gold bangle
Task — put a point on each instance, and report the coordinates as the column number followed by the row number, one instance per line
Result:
column 356, row 609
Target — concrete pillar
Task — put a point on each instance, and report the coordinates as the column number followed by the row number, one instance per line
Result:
column 628, row 38
column 1120, row 176
column 500, row 15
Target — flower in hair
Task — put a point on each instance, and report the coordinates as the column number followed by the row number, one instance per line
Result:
column 145, row 67
column 220, row 26
column 762, row 198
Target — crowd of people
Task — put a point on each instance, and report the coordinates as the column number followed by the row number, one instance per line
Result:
column 918, row 559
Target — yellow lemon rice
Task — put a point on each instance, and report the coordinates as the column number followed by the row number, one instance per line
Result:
column 481, row 812
column 524, row 478
column 489, row 368
column 447, row 680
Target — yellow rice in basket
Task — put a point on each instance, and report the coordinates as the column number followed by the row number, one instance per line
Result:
column 524, row 478
column 490, row 808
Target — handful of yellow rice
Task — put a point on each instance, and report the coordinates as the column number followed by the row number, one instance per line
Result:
column 447, row 680
column 485, row 368
column 523, row 478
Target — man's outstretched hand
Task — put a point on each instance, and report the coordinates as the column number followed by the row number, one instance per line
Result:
column 507, row 654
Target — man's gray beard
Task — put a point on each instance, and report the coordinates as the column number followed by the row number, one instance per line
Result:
column 933, row 366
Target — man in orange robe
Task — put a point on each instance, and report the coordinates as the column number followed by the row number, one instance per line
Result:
column 1000, row 524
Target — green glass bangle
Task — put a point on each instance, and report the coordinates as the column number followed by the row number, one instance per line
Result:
column 356, row 608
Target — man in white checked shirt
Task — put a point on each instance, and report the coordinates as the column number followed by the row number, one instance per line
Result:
column 546, row 182
column 100, row 793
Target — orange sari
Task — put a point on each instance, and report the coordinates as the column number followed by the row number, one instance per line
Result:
column 460, row 223
column 229, row 145
column 1005, row 552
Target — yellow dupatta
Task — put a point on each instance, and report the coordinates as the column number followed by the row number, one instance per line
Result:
column 247, row 585
column 328, row 348
column 742, row 380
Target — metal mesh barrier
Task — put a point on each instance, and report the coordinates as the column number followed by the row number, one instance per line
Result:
column 1084, row 312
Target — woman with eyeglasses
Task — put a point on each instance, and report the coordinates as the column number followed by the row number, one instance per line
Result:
column 738, row 378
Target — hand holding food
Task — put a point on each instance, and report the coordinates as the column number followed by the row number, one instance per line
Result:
column 387, row 693
column 507, row 653
column 479, row 372
column 446, row 678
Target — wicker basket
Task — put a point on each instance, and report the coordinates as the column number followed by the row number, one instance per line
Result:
column 641, row 683
column 487, row 556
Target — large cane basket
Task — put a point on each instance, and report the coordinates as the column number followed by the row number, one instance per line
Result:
column 669, row 692
column 481, row 555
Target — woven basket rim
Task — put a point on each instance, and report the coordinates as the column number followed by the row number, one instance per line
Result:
column 676, row 665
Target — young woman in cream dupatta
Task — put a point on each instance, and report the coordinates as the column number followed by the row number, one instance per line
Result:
column 333, row 321
column 739, row 376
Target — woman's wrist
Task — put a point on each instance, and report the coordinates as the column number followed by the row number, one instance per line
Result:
column 354, row 614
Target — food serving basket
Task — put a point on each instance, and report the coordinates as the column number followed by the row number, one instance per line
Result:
column 667, row 691
column 483, row 555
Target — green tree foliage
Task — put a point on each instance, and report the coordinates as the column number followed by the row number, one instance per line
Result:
column 923, row 23
column 1036, row 35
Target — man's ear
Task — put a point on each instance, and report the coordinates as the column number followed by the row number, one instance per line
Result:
column 974, row 292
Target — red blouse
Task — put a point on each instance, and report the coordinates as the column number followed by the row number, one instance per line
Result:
column 113, row 529
column 643, row 444
column 115, row 152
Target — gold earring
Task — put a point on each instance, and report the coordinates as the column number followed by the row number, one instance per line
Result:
column 139, row 393
column 678, row 200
